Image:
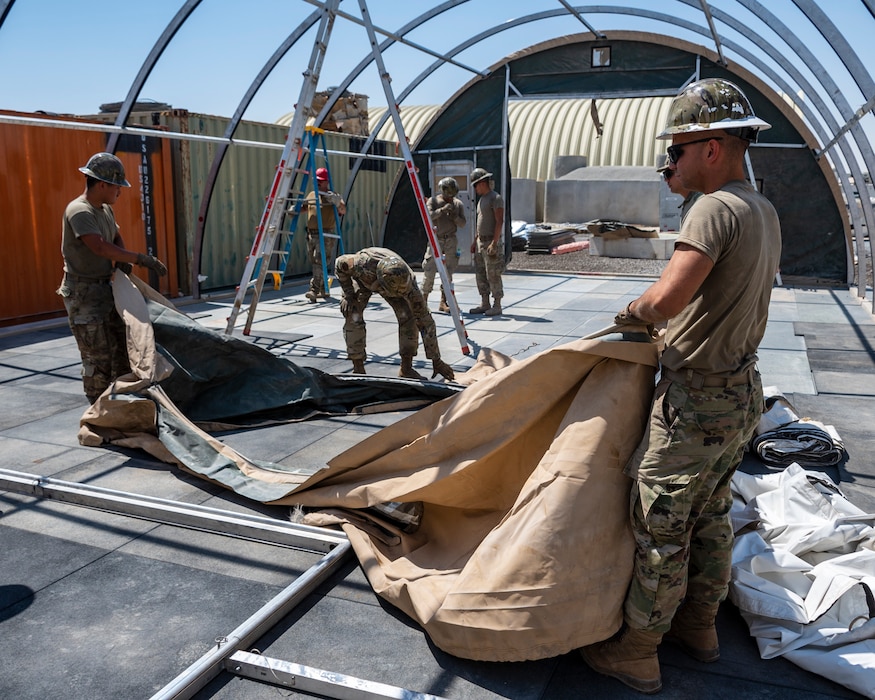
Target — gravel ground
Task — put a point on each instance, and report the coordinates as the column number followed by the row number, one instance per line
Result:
column 582, row 261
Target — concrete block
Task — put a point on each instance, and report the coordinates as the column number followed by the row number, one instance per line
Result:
column 576, row 200
column 562, row 165
column 522, row 204
column 642, row 248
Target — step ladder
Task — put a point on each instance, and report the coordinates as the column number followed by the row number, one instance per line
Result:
column 314, row 143
column 276, row 204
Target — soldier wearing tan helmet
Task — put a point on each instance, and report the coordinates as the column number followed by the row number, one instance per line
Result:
column 448, row 216
column 328, row 202
column 714, row 295
column 383, row 271
column 92, row 247
column 487, row 247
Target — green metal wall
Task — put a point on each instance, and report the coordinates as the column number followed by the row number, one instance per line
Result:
column 238, row 199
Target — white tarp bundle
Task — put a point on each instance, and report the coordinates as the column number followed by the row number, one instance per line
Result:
column 804, row 578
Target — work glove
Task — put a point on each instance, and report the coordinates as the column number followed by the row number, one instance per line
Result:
column 152, row 263
column 442, row 368
column 492, row 249
column 127, row 268
column 627, row 318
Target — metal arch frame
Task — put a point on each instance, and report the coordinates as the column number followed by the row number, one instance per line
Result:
column 811, row 12
column 146, row 69
column 222, row 149
column 843, row 107
column 5, row 6
column 291, row 40
column 659, row 17
column 810, row 114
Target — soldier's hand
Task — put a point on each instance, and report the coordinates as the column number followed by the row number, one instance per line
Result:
column 627, row 318
column 345, row 304
column 442, row 368
column 127, row 268
column 152, row 263
column 492, row 249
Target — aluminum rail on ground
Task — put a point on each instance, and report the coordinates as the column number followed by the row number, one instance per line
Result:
column 307, row 679
column 196, row 676
column 188, row 515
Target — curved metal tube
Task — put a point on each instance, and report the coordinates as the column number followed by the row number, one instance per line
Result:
column 140, row 80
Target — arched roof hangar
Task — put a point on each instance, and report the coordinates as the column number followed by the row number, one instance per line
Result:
column 785, row 160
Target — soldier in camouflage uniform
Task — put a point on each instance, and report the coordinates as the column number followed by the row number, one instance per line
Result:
column 715, row 294
column 383, row 271
column 487, row 247
column 90, row 244
column 328, row 201
column 448, row 216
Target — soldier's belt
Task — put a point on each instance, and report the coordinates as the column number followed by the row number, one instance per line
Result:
column 86, row 280
column 697, row 380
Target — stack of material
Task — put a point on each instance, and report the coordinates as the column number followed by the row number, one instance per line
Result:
column 613, row 230
column 349, row 114
column 545, row 240
column 804, row 576
column 782, row 437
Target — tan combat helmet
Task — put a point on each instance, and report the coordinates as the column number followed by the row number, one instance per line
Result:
column 713, row 103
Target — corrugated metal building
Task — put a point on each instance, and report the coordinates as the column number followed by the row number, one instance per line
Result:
column 542, row 129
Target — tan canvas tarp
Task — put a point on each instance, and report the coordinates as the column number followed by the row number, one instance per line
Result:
column 523, row 550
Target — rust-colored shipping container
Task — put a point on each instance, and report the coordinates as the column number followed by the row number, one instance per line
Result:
column 40, row 176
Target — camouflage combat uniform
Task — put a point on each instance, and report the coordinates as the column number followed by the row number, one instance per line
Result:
column 447, row 218
column 87, row 292
column 488, row 268
column 697, row 432
column 329, row 200
column 357, row 276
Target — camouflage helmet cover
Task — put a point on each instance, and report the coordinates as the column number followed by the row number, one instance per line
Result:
column 106, row 168
column 712, row 103
column 394, row 275
column 479, row 174
column 449, row 187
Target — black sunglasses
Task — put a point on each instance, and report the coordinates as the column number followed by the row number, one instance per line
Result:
column 666, row 175
column 675, row 152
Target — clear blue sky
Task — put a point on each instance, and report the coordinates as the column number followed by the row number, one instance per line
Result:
column 70, row 56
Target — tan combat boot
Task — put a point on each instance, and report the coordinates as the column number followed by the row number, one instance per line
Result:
column 407, row 368
column 693, row 629
column 496, row 309
column 484, row 305
column 443, row 305
column 630, row 657
column 358, row 366
column 311, row 296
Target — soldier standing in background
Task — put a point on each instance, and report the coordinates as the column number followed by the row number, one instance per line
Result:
column 487, row 249
column 90, row 244
column 328, row 201
column 448, row 216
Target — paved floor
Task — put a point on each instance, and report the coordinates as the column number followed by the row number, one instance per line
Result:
column 100, row 605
